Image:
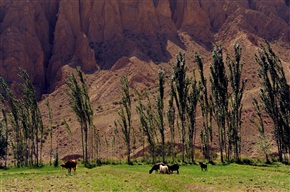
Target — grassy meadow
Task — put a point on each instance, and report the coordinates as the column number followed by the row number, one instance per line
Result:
column 136, row 178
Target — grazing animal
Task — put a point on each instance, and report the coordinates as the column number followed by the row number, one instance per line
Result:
column 173, row 167
column 155, row 167
column 71, row 164
column 203, row 166
column 164, row 169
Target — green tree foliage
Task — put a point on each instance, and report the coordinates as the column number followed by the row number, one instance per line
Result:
column 160, row 111
column 81, row 106
column 235, row 104
column 50, row 129
column 275, row 96
column 219, row 85
column 146, row 117
column 125, row 114
column 171, row 119
column 181, row 85
column 191, row 116
column 257, row 120
column 26, row 122
column 31, row 119
column 12, row 107
column 206, row 111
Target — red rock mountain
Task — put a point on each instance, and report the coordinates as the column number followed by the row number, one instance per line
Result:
column 43, row 36
column 135, row 37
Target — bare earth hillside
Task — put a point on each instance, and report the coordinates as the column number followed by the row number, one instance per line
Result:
column 108, row 39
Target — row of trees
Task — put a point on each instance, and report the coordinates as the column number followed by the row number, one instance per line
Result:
column 221, row 107
column 25, row 133
column 274, row 98
column 185, row 94
column 22, row 129
column 220, row 102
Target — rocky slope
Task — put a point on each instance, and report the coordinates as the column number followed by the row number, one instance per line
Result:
column 108, row 38
column 43, row 36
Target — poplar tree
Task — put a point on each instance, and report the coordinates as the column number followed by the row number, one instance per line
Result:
column 81, row 106
column 26, row 122
column 258, row 121
column 191, row 116
column 31, row 119
column 50, row 128
column 125, row 114
column 180, row 91
column 12, row 106
column 219, row 86
column 160, row 111
column 171, row 120
column 146, row 118
column 275, row 96
column 206, row 110
column 235, row 108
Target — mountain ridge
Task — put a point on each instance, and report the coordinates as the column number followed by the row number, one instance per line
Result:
column 43, row 36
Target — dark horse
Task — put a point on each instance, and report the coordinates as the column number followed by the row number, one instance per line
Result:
column 203, row 166
column 155, row 167
column 173, row 167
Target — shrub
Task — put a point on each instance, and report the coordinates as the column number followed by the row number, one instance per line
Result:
column 198, row 154
column 98, row 162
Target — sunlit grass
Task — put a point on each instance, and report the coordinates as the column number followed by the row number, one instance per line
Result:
column 136, row 178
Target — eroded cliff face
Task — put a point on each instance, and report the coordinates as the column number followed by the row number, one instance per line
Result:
column 43, row 36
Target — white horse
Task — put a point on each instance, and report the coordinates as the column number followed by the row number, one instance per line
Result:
column 164, row 169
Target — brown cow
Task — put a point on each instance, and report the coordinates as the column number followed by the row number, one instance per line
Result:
column 69, row 165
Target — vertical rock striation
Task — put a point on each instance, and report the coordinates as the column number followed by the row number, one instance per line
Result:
column 43, row 36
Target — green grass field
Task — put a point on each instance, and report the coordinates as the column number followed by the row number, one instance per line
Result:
column 136, row 178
